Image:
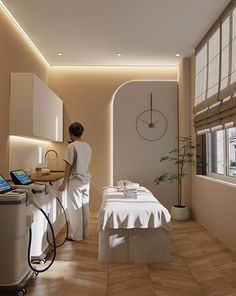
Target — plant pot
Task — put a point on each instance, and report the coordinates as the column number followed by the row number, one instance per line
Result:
column 180, row 213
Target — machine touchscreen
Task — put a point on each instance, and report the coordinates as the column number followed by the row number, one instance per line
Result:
column 4, row 185
column 19, row 177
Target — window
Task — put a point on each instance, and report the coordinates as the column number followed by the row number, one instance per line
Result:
column 221, row 153
column 216, row 152
column 201, row 76
column 231, row 144
column 215, row 98
column 215, row 76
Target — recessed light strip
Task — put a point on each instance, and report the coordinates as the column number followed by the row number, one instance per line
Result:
column 7, row 12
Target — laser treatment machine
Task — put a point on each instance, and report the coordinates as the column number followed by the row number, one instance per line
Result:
column 40, row 245
column 15, row 220
column 42, row 238
column 27, row 235
column 18, row 209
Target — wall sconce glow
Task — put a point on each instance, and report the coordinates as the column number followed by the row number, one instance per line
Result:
column 40, row 155
column 57, row 129
column 119, row 54
column 13, row 20
column 59, row 53
column 111, row 139
column 178, row 54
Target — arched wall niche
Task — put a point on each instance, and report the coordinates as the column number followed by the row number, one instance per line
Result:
column 137, row 159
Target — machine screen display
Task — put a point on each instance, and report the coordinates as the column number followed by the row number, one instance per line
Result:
column 20, row 177
column 4, row 185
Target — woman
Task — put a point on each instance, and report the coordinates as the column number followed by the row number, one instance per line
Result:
column 77, row 180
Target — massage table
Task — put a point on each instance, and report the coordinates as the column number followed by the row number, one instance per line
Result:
column 133, row 230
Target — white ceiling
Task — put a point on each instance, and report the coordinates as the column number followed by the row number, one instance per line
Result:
column 92, row 32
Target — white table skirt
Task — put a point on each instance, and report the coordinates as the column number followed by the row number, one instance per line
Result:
column 134, row 245
column 133, row 230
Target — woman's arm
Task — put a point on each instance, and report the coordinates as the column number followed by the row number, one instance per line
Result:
column 66, row 176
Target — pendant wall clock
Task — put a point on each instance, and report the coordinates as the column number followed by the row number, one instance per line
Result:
column 151, row 124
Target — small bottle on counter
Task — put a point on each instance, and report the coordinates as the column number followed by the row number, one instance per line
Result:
column 38, row 171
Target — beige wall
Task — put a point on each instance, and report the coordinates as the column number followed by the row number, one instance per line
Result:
column 213, row 201
column 15, row 56
column 185, row 118
column 214, row 205
column 87, row 94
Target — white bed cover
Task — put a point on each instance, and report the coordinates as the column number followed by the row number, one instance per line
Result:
column 145, row 211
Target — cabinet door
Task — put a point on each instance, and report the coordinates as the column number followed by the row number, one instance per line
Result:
column 21, row 105
column 48, row 113
column 57, row 118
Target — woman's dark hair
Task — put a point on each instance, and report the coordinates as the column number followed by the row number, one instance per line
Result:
column 76, row 129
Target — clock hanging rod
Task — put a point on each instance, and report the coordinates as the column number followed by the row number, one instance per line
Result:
column 151, row 125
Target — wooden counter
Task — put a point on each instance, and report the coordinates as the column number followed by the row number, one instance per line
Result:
column 51, row 177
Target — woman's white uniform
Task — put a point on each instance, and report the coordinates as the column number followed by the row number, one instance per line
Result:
column 78, row 154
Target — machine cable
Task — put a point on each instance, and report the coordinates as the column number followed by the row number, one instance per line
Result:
column 30, row 240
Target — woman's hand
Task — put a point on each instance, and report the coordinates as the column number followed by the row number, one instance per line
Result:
column 62, row 187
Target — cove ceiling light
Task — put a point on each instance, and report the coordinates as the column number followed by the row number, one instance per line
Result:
column 30, row 42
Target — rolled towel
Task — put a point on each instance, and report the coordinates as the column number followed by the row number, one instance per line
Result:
column 132, row 186
column 123, row 183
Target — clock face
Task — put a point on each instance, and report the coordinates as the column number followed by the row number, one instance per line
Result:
column 151, row 125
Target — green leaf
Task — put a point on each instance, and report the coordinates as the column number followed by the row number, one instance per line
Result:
column 168, row 158
column 163, row 158
column 161, row 179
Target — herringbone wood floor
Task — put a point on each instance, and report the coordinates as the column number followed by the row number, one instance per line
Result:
column 199, row 265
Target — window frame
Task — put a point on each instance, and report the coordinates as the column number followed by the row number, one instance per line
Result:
column 224, row 177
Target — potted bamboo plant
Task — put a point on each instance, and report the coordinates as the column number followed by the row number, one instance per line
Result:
column 184, row 158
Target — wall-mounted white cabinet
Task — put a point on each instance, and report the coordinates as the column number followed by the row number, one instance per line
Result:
column 35, row 111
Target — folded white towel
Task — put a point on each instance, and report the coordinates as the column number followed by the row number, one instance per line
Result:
column 130, row 196
column 115, row 195
column 110, row 189
column 131, row 193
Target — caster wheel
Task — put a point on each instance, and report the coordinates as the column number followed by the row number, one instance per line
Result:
column 21, row 292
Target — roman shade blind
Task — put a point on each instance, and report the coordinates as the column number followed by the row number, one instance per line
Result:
column 215, row 74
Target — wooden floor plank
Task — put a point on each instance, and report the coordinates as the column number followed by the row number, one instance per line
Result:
column 129, row 279
column 200, row 265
